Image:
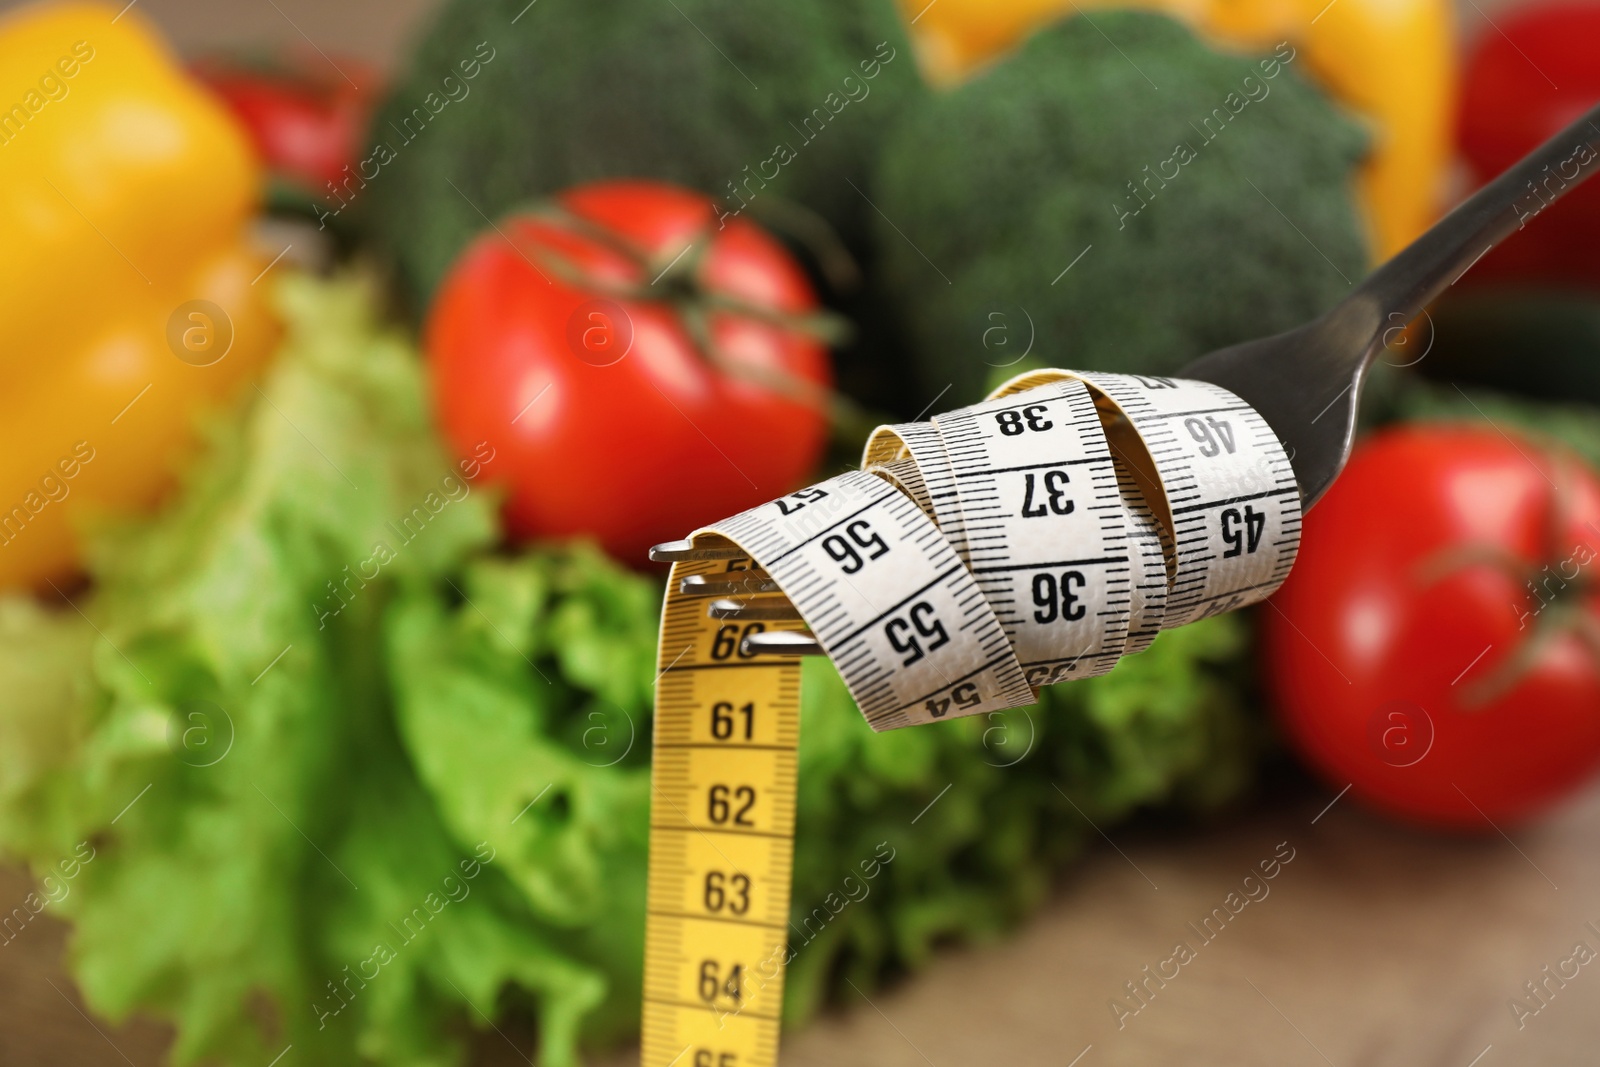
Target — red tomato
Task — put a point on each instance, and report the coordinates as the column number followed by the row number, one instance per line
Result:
column 1526, row 79
column 1438, row 643
column 569, row 346
column 305, row 119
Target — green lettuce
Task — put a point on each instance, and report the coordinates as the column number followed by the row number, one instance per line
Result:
column 358, row 780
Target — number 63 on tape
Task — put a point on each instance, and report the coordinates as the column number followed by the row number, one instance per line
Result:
column 1034, row 538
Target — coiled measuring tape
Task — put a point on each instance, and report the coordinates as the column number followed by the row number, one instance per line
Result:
column 1033, row 538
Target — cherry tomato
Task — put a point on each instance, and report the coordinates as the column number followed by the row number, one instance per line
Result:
column 1437, row 645
column 638, row 369
column 305, row 118
column 1526, row 79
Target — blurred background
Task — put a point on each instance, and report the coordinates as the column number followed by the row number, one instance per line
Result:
column 352, row 354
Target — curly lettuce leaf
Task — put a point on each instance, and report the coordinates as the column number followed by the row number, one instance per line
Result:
column 978, row 813
column 218, row 724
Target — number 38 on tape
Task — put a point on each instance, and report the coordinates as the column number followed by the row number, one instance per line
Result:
column 1033, row 538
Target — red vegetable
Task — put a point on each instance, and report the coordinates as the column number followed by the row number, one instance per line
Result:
column 639, row 370
column 305, row 118
column 1438, row 643
column 1526, row 80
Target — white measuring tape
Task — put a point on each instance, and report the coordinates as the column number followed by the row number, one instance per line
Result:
column 1033, row 538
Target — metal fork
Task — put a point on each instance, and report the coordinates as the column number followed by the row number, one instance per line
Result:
column 1307, row 383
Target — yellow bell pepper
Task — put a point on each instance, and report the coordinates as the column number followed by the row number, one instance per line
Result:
column 1390, row 61
column 126, row 279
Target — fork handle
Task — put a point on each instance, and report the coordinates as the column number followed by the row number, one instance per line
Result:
column 1433, row 262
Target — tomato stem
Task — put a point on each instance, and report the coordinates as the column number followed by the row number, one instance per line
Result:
column 676, row 282
column 1551, row 619
column 812, row 232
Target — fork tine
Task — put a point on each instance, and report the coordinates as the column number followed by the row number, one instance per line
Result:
column 774, row 609
column 780, row 643
column 680, row 551
column 732, row 583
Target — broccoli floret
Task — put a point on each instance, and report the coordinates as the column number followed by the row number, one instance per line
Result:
column 747, row 100
column 1199, row 200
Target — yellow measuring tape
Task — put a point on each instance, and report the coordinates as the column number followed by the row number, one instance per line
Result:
column 1033, row 538
column 727, row 736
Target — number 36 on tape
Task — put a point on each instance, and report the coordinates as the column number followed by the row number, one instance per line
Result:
column 1033, row 538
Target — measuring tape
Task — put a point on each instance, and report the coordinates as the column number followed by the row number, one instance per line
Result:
column 1036, row 537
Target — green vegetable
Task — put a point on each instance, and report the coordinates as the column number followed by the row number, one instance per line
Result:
column 364, row 818
column 1553, row 334
column 749, row 101
column 1197, row 201
column 1572, row 425
column 1166, row 726
column 224, row 740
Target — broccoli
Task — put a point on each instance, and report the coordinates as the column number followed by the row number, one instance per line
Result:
column 759, row 103
column 1198, row 199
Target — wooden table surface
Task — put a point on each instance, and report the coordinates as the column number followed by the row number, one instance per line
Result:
column 1374, row 946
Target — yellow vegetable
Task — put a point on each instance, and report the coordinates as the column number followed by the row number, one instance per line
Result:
column 1390, row 61
column 125, row 278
